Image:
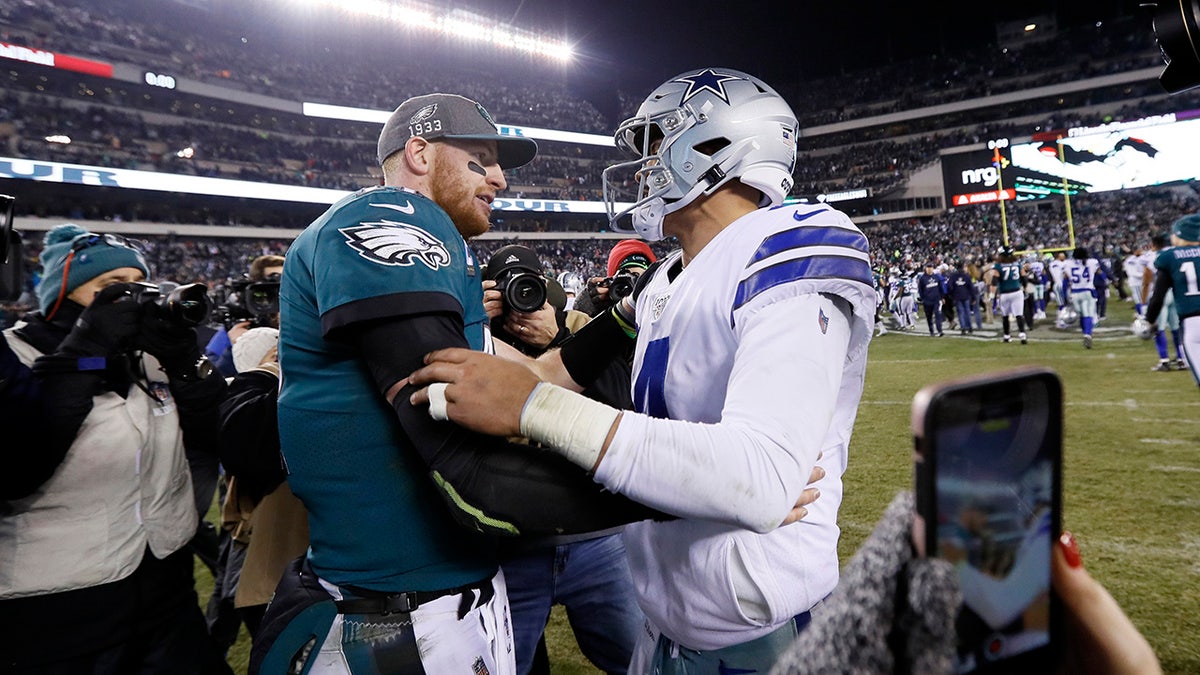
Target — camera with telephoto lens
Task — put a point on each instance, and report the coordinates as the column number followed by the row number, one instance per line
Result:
column 522, row 290
column 186, row 306
column 244, row 300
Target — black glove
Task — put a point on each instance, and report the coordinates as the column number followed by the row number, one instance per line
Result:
column 107, row 326
column 891, row 612
column 174, row 346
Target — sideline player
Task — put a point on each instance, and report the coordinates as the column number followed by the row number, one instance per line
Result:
column 1178, row 268
column 1080, row 284
column 402, row 572
column 751, row 348
column 1057, row 269
column 1011, row 297
column 1168, row 318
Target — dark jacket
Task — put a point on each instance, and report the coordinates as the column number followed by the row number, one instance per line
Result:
column 962, row 288
column 931, row 288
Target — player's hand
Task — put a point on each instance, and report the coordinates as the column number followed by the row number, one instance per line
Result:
column 493, row 300
column 537, row 329
column 808, row 496
column 483, row 393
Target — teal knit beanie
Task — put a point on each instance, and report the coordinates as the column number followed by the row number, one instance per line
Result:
column 101, row 255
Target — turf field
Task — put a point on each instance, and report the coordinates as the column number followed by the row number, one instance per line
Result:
column 1131, row 467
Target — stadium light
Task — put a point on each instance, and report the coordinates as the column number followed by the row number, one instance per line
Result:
column 459, row 23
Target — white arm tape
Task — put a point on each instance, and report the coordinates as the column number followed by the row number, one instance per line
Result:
column 437, row 401
column 573, row 424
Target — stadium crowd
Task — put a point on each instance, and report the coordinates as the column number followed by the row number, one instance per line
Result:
column 114, row 125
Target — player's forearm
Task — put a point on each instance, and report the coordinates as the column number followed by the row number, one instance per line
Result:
column 715, row 472
column 749, row 467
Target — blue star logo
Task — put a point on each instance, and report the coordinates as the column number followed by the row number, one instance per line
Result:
column 706, row 80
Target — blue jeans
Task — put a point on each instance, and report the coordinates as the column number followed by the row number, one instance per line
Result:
column 963, row 307
column 591, row 580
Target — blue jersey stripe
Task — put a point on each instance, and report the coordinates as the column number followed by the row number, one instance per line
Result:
column 813, row 267
column 800, row 237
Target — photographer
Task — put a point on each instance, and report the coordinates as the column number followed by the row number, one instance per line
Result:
column 256, row 303
column 517, row 302
column 95, row 538
column 587, row 573
column 626, row 261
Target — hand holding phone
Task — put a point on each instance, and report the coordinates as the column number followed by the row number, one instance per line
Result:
column 988, row 474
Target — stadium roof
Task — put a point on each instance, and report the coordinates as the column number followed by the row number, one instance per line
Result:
column 776, row 40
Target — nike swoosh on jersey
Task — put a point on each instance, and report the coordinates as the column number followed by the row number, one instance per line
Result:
column 407, row 209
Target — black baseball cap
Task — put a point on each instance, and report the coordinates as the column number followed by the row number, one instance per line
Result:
column 513, row 256
column 438, row 116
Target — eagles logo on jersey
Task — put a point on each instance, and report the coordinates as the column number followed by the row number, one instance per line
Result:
column 388, row 242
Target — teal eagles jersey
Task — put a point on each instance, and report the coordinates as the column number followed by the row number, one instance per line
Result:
column 1009, row 276
column 375, row 518
column 1182, row 263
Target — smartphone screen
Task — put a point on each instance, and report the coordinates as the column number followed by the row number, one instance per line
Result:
column 990, row 456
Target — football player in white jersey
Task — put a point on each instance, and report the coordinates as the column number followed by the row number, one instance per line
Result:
column 751, row 347
column 1080, row 283
column 1056, row 267
column 1168, row 318
column 1037, row 271
column 1146, row 267
column 1135, row 268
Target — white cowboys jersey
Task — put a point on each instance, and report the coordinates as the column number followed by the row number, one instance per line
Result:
column 1081, row 274
column 756, row 353
column 1056, row 268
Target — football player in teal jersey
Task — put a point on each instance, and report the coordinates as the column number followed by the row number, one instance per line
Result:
column 402, row 572
column 1178, row 269
column 1007, row 282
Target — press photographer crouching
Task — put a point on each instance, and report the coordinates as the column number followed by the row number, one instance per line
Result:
column 517, row 301
column 95, row 575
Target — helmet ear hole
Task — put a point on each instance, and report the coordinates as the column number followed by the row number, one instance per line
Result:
column 712, row 147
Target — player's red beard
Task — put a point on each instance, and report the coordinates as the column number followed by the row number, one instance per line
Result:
column 457, row 198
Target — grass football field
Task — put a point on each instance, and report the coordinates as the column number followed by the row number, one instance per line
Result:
column 1131, row 475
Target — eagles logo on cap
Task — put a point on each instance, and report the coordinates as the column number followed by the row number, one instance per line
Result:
column 423, row 114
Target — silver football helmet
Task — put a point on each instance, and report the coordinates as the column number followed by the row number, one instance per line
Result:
column 1068, row 316
column 571, row 282
column 692, row 135
column 1143, row 328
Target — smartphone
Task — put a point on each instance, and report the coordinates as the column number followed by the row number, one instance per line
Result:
column 988, row 479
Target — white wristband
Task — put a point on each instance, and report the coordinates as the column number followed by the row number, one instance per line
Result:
column 437, row 401
column 573, row 424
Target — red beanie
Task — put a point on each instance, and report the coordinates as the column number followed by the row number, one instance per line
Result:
column 629, row 252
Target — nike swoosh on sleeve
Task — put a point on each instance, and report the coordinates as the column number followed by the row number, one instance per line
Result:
column 407, row 209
